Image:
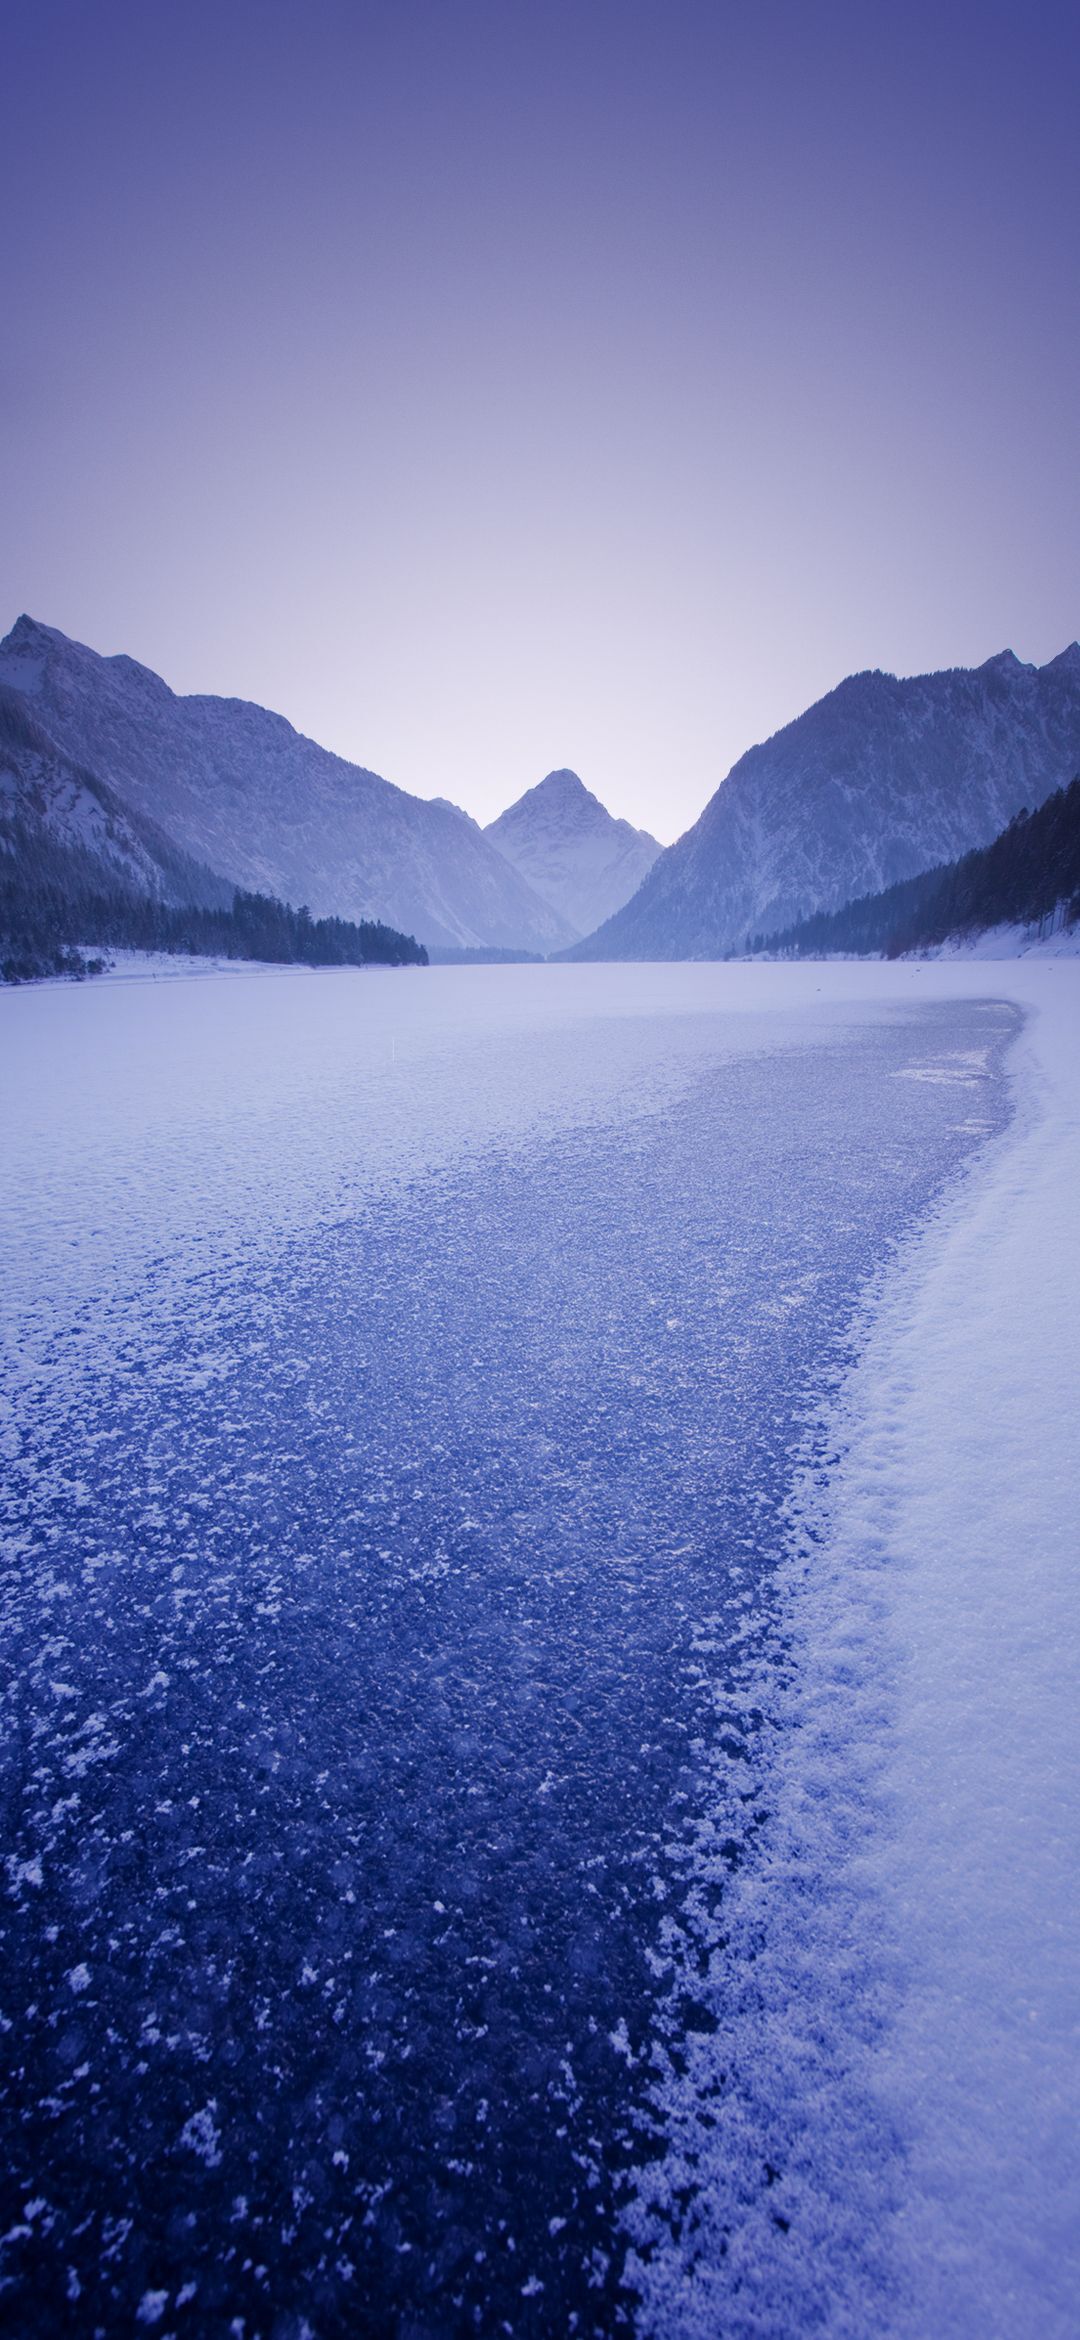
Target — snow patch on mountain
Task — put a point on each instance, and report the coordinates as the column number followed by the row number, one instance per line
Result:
column 572, row 851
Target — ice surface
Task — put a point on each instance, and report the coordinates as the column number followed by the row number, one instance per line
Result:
column 412, row 1374
column 164, row 1127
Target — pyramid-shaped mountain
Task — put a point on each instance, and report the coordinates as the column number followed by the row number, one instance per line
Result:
column 582, row 861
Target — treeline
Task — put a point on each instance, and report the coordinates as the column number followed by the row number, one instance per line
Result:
column 481, row 955
column 1030, row 872
column 47, row 928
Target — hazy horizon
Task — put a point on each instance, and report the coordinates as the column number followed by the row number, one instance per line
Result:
column 491, row 391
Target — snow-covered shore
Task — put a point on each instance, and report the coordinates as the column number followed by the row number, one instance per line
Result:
column 123, row 966
column 963, row 1473
column 910, row 2053
column 1046, row 939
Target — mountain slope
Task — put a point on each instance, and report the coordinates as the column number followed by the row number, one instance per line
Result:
column 60, row 822
column 572, row 851
column 1030, row 872
column 236, row 786
column 877, row 781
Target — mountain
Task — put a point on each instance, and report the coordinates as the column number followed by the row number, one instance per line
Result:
column 234, row 785
column 1030, row 873
column 572, row 851
column 61, row 824
column 79, row 868
column 873, row 784
column 449, row 806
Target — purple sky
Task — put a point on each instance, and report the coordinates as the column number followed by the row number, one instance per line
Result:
column 497, row 387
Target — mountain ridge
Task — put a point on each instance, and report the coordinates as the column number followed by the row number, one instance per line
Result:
column 879, row 778
column 235, row 785
column 1028, row 874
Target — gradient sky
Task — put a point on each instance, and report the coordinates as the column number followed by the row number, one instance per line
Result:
column 493, row 387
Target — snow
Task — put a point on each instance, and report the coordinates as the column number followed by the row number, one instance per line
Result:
column 122, row 966
column 964, row 1461
column 908, row 2059
column 572, row 851
column 1043, row 940
column 411, row 1376
column 155, row 1118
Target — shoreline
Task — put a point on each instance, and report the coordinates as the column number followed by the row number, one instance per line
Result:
column 909, row 2053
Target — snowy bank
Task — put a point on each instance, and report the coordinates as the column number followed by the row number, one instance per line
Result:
column 904, row 2065
column 965, row 1459
column 1046, row 939
column 168, row 966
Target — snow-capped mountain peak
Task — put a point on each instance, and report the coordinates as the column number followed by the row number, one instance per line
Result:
column 572, row 851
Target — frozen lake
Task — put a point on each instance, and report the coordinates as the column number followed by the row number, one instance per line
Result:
column 407, row 1375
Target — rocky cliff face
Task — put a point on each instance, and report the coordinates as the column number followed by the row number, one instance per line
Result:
column 235, row 786
column 572, row 851
column 878, row 781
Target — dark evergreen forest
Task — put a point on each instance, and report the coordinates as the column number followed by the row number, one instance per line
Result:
column 1030, row 872
column 57, row 917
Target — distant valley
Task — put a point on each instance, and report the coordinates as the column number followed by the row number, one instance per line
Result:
column 106, row 773
column 233, row 788
column 566, row 845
